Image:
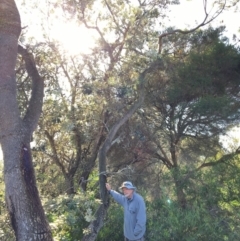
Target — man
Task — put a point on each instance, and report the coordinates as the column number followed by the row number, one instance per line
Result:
column 134, row 211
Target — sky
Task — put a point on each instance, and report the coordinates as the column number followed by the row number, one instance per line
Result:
column 70, row 35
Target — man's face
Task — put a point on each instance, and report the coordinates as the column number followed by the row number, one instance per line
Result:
column 127, row 192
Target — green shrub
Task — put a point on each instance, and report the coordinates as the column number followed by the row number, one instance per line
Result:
column 69, row 216
column 113, row 225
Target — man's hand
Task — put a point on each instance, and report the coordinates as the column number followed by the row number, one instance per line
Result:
column 108, row 186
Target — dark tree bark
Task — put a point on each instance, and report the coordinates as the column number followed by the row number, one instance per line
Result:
column 22, row 198
column 89, row 163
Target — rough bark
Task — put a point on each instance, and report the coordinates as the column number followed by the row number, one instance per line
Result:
column 22, row 198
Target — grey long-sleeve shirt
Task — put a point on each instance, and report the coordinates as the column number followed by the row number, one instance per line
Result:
column 134, row 214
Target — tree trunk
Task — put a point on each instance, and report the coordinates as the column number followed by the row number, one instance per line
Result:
column 69, row 185
column 24, row 206
column 179, row 189
column 25, row 209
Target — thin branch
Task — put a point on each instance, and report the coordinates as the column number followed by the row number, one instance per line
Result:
column 55, row 154
column 221, row 160
column 113, row 15
column 203, row 23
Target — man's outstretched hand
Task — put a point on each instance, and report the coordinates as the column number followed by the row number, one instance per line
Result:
column 108, row 186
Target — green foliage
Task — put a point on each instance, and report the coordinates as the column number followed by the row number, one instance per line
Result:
column 210, row 105
column 166, row 221
column 213, row 71
column 212, row 212
column 113, row 225
column 69, row 216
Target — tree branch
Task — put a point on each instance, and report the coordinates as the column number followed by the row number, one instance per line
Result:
column 55, row 155
column 221, row 160
column 34, row 109
column 203, row 23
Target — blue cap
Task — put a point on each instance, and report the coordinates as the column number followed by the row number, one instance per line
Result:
column 127, row 185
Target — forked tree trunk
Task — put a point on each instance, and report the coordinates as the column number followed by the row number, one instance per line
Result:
column 22, row 198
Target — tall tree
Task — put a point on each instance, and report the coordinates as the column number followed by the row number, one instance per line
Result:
column 191, row 103
column 22, row 198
